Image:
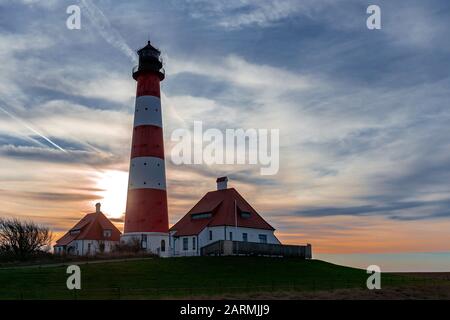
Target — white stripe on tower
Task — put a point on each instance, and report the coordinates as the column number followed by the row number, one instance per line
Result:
column 148, row 111
column 147, row 173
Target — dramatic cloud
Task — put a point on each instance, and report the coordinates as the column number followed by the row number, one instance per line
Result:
column 363, row 115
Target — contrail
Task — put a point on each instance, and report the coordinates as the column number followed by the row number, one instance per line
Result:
column 111, row 35
column 27, row 126
column 23, row 123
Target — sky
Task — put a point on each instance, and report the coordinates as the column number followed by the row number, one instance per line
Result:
column 363, row 114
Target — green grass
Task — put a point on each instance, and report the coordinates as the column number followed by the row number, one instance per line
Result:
column 182, row 277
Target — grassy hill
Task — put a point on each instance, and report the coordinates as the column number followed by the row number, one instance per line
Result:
column 183, row 277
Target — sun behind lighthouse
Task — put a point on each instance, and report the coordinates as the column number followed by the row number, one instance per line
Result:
column 113, row 192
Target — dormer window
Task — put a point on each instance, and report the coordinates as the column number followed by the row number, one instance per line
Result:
column 203, row 215
column 245, row 214
column 107, row 233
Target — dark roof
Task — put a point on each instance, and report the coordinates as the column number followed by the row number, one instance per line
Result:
column 150, row 47
column 91, row 228
column 221, row 205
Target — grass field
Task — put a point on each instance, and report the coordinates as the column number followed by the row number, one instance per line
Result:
column 187, row 277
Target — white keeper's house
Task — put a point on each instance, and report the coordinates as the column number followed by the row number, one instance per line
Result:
column 93, row 234
column 220, row 215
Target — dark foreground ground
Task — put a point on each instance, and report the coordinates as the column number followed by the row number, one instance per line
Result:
column 420, row 289
column 217, row 278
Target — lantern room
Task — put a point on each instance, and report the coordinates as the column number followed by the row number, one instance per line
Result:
column 149, row 61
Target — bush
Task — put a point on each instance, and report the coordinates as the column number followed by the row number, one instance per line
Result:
column 133, row 246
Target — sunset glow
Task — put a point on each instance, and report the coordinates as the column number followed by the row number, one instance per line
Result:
column 113, row 186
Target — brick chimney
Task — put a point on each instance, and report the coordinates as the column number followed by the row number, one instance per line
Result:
column 222, row 183
column 97, row 207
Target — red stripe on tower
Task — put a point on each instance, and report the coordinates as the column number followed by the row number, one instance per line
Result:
column 146, row 215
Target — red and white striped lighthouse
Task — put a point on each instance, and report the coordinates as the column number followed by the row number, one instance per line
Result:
column 146, row 218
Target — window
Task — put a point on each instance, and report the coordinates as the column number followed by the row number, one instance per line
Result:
column 262, row 238
column 231, row 236
column 210, row 234
column 204, row 215
column 143, row 241
column 185, row 244
column 107, row 233
column 245, row 237
column 75, row 231
column 163, row 245
column 245, row 214
column 193, row 243
column 89, row 248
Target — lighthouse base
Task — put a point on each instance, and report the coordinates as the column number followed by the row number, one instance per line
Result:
column 151, row 242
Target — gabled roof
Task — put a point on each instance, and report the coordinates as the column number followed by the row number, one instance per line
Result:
column 90, row 228
column 221, row 205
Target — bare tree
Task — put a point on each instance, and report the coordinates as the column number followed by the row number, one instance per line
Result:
column 22, row 239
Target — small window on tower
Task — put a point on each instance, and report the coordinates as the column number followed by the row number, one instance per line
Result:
column 210, row 234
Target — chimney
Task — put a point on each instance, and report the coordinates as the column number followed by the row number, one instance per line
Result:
column 97, row 207
column 222, row 183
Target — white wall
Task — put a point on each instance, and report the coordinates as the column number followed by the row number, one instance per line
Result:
column 177, row 246
column 80, row 247
column 218, row 233
column 153, row 244
column 95, row 246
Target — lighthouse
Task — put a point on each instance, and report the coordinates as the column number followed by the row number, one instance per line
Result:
column 146, row 217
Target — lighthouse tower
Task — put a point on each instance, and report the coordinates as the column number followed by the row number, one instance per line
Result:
column 146, row 218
